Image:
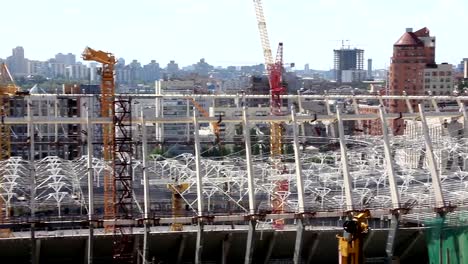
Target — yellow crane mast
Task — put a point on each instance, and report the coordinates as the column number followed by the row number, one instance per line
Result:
column 108, row 130
column 8, row 88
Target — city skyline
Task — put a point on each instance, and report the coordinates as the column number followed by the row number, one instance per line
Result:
column 225, row 32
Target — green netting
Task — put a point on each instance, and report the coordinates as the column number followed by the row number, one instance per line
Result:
column 447, row 239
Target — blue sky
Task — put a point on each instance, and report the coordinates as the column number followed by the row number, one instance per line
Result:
column 225, row 31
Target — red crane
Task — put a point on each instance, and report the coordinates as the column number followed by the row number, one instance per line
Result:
column 275, row 77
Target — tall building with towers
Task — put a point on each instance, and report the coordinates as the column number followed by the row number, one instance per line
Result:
column 349, row 64
column 412, row 53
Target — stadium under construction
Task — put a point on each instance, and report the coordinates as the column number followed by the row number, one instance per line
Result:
column 65, row 201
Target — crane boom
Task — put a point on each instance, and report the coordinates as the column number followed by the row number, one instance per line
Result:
column 263, row 32
column 214, row 125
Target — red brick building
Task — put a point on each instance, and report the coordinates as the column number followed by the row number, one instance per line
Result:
column 412, row 53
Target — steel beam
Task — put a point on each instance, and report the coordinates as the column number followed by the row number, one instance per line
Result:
column 199, row 242
column 89, row 144
column 253, row 119
column 248, row 157
column 300, row 191
column 250, row 243
column 438, row 195
column 388, row 161
column 344, row 162
column 146, row 192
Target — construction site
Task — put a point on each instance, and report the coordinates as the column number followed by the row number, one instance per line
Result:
column 85, row 178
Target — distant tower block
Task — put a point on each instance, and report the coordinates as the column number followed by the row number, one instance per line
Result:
column 369, row 69
column 465, row 68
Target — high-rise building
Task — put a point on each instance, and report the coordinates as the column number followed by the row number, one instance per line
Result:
column 369, row 69
column 68, row 59
column 17, row 63
column 351, row 60
column 412, row 53
column 172, row 68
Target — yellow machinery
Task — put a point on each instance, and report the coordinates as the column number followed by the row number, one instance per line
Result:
column 350, row 244
column 177, row 203
column 108, row 132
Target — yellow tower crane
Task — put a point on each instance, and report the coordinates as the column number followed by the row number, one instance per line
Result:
column 108, row 131
column 8, row 88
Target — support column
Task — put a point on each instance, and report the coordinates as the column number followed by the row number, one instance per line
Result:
column 180, row 253
column 35, row 246
column 271, row 245
column 300, row 191
column 199, row 243
column 411, row 245
column 388, row 161
column 31, row 158
column 393, row 188
column 344, row 162
column 250, row 244
column 226, row 246
column 438, row 195
column 89, row 141
column 313, row 248
column 248, row 156
column 146, row 193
